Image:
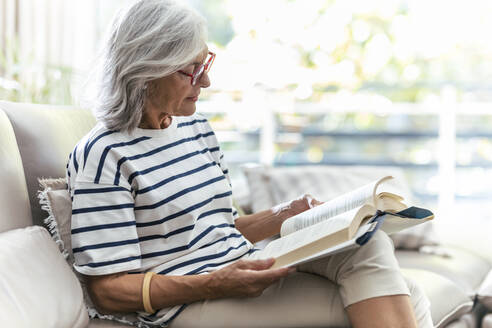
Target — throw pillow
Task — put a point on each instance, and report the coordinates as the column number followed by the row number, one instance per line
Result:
column 55, row 199
column 38, row 288
column 485, row 292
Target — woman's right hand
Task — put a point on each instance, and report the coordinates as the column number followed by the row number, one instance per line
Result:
column 245, row 278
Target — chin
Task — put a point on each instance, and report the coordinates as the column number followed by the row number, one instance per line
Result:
column 190, row 110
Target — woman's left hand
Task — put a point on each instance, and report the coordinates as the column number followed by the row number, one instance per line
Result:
column 298, row 205
column 261, row 225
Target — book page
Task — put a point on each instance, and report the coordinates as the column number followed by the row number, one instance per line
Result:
column 336, row 206
column 298, row 239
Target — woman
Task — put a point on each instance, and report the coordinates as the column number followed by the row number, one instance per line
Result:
column 151, row 193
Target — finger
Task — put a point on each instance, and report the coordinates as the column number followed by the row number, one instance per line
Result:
column 311, row 201
column 272, row 273
column 307, row 198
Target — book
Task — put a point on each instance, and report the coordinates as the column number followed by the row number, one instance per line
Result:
column 345, row 222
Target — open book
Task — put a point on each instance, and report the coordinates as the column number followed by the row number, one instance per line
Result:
column 343, row 223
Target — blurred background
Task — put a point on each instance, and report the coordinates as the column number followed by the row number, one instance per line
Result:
column 403, row 83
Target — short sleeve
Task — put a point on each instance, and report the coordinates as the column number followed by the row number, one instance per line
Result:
column 104, row 233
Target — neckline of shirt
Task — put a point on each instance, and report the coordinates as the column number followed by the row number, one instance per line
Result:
column 158, row 133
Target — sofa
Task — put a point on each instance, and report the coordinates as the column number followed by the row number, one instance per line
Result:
column 39, row 289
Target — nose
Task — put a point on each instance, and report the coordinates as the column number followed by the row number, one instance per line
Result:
column 204, row 80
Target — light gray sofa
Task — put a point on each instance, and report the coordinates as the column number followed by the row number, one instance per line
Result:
column 35, row 141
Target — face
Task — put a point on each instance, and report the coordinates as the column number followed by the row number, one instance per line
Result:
column 173, row 95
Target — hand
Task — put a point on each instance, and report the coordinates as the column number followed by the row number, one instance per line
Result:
column 298, row 205
column 245, row 278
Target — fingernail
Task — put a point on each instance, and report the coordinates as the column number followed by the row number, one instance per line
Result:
column 292, row 269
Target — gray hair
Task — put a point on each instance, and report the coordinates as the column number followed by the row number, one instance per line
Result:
column 150, row 40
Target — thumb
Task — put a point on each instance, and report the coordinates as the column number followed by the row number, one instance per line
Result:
column 257, row 264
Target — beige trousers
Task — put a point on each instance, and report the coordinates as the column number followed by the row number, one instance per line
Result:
column 317, row 294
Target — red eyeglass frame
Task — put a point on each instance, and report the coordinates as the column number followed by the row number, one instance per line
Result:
column 203, row 68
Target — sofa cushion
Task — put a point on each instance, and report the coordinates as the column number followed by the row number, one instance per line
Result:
column 465, row 269
column 273, row 185
column 15, row 200
column 448, row 301
column 484, row 294
column 38, row 287
column 45, row 135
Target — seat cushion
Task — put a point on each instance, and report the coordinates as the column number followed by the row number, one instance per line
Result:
column 15, row 200
column 465, row 269
column 45, row 135
column 37, row 286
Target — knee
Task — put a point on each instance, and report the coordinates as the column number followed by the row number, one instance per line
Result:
column 376, row 256
column 380, row 243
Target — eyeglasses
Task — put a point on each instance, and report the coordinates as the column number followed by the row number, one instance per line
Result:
column 199, row 70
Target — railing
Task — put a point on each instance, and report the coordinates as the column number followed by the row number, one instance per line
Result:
column 444, row 135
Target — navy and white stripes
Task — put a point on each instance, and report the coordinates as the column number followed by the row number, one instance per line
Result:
column 156, row 200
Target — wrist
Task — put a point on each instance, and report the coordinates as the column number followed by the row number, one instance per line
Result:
column 282, row 211
column 211, row 286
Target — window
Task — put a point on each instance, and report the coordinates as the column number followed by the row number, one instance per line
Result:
column 318, row 82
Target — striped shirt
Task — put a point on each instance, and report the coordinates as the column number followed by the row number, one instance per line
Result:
column 153, row 200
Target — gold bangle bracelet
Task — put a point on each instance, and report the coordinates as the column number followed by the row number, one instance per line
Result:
column 146, row 292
